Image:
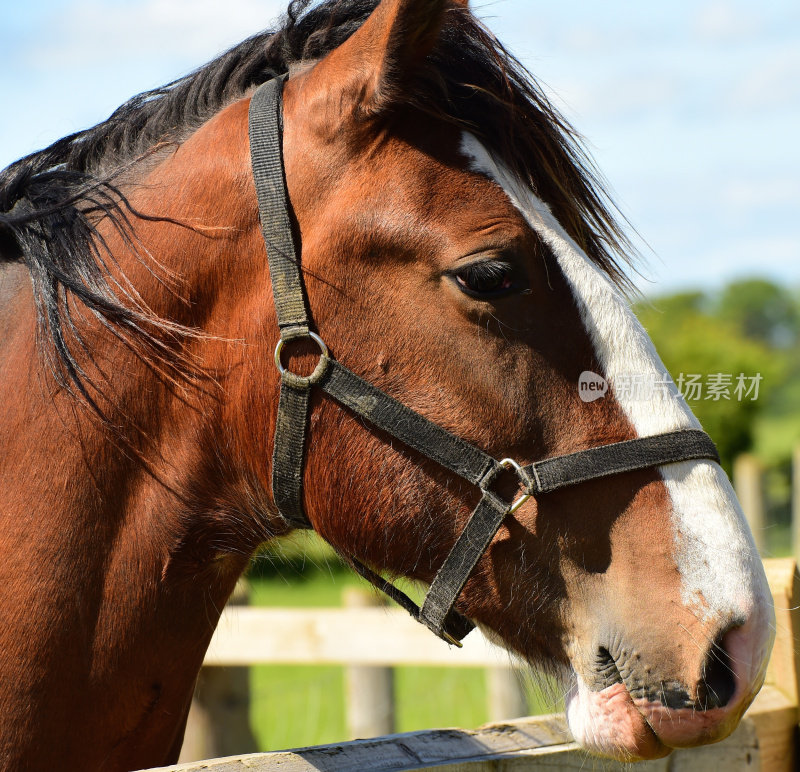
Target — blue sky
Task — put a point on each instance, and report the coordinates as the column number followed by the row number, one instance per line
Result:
column 691, row 108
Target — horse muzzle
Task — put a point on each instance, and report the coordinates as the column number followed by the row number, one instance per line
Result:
column 639, row 698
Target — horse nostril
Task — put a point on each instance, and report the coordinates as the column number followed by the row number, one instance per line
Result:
column 718, row 683
column 606, row 670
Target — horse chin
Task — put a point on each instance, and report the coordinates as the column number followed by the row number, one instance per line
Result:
column 608, row 723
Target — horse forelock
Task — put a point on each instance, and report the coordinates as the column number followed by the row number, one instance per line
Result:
column 50, row 200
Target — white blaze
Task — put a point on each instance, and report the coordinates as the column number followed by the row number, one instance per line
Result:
column 714, row 551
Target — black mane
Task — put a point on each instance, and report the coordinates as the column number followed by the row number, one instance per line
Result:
column 50, row 200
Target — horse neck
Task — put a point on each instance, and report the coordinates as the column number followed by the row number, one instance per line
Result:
column 119, row 555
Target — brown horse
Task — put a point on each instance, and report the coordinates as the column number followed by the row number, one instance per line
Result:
column 458, row 253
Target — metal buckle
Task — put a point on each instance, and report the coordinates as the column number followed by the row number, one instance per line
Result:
column 447, row 638
column 319, row 370
column 509, row 463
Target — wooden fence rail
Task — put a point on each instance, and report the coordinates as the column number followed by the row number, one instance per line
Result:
column 339, row 636
column 526, row 745
column 766, row 739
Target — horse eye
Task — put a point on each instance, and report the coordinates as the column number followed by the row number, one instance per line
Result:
column 486, row 279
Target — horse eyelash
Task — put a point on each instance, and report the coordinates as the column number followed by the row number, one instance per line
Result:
column 485, row 270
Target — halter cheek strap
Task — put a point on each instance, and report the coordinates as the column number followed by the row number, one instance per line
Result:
column 387, row 414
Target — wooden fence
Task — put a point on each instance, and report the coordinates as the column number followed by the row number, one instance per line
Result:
column 379, row 637
column 367, row 637
column 748, row 479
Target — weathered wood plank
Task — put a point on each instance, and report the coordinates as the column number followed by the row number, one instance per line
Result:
column 784, row 665
column 415, row 750
column 739, row 753
column 774, row 717
column 541, row 743
column 775, row 710
column 749, row 484
column 796, row 502
column 363, row 636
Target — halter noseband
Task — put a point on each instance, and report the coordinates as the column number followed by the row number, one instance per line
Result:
column 389, row 415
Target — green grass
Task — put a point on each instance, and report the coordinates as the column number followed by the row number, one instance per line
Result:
column 293, row 707
column 297, row 706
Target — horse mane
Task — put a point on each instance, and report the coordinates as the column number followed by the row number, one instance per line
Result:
column 52, row 200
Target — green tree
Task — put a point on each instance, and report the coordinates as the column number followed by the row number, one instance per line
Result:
column 761, row 311
column 697, row 346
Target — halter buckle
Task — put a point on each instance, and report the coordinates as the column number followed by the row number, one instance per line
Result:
column 509, row 463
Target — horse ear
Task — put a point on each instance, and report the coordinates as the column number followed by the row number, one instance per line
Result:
column 374, row 62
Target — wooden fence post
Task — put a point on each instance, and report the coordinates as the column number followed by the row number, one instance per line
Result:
column 219, row 719
column 369, row 690
column 775, row 711
column 506, row 697
column 796, row 503
column 747, row 480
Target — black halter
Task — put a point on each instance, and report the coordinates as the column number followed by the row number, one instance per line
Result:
column 389, row 415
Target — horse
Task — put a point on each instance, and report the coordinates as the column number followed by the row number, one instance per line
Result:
column 458, row 253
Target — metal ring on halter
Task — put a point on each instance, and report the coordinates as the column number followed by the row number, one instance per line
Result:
column 509, row 463
column 319, row 370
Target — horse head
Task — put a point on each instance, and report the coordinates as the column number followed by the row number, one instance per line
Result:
column 458, row 277
column 458, row 254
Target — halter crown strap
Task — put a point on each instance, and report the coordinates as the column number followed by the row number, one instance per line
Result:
column 266, row 155
column 390, row 415
column 265, row 129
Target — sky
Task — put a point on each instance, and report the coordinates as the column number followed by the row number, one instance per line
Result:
column 691, row 108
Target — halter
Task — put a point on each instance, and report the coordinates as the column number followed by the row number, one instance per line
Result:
column 387, row 414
